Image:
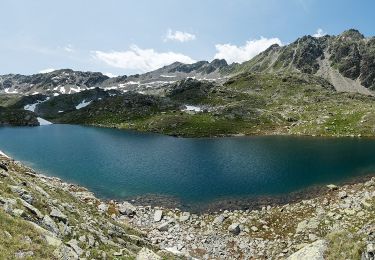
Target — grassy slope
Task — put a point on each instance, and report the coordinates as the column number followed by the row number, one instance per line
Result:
column 18, row 229
column 249, row 104
column 58, row 194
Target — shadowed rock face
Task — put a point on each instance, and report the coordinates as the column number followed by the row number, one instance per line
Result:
column 17, row 117
column 190, row 91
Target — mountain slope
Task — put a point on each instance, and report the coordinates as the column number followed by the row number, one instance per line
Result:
column 347, row 61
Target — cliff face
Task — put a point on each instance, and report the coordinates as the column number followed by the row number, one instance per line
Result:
column 46, row 218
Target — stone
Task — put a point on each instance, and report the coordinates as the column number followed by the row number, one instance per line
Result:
column 164, row 226
column 158, row 215
column 147, row 254
column 52, row 241
column 22, row 193
column 82, row 239
column 102, row 207
column 234, row 228
column 34, row 210
column 64, row 229
column 174, row 251
column 301, row 226
column 43, row 192
column 312, row 223
column 218, row 220
column 313, row 251
column 65, row 252
column 342, row 195
column 73, row 243
column 3, row 166
column 18, row 212
column 50, row 224
column 91, row 240
column 127, row 209
column 184, row 217
column 365, row 204
column 27, row 240
column 332, row 187
column 7, row 234
column 369, row 253
column 56, row 213
column 50, row 237
column 254, row 228
column 23, row 254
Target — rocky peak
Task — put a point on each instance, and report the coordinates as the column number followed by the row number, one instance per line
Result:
column 219, row 63
column 351, row 34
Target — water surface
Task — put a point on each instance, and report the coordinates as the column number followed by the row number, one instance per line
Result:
column 120, row 164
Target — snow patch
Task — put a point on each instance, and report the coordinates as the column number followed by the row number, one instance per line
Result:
column 83, row 104
column 10, row 92
column 111, row 88
column 192, row 108
column 132, row 83
column 109, row 74
column 167, row 76
column 3, row 154
column 31, row 107
column 43, row 121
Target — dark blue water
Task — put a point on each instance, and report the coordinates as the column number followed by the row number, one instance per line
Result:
column 118, row 164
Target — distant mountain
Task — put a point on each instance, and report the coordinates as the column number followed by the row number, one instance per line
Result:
column 67, row 81
column 347, row 60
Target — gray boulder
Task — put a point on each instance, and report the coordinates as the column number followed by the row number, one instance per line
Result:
column 234, row 229
column 147, row 254
column 158, row 215
column 56, row 213
column 127, row 209
column 313, row 251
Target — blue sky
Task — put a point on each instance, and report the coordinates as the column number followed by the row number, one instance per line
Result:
column 126, row 37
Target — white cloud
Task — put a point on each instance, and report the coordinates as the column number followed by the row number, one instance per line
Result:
column 47, row 70
column 140, row 59
column 233, row 53
column 319, row 33
column 109, row 74
column 69, row 48
column 179, row 36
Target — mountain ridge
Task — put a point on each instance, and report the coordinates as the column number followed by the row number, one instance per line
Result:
column 346, row 60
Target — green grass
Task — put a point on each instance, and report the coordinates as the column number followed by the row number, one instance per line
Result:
column 344, row 245
column 19, row 229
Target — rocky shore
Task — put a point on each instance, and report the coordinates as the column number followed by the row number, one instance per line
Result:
column 69, row 222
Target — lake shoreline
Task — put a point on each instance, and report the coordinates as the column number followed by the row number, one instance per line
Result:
column 270, row 232
column 253, row 134
column 197, row 196
column 256, row 202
